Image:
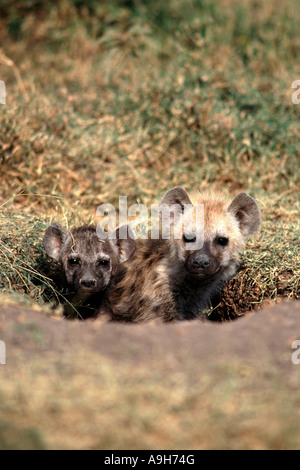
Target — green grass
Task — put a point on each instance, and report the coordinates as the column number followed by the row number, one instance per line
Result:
column 132, row 98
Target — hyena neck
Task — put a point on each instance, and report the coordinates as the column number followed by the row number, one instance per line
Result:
column 82, row 305
column 193, row 295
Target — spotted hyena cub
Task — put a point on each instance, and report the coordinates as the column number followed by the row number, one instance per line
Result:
column 89, row 263
column 175, row 278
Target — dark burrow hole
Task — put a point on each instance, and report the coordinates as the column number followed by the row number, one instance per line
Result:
column 230, row 304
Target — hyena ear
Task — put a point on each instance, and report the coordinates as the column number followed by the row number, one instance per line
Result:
column 54, row 238
column 124, row 242
column 176, row 195
column 175, row 199
column 246, row 211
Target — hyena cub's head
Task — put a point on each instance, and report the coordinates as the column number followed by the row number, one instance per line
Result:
column 211, row 249
column 88, row 262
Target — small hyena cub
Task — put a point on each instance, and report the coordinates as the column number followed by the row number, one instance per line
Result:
column 89, row 264
column 168, row 280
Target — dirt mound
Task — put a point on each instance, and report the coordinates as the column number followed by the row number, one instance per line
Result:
column 96, row 384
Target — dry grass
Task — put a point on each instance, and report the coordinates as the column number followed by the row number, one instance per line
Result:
column 132, row 102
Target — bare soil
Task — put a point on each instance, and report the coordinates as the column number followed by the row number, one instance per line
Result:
column 64, row 380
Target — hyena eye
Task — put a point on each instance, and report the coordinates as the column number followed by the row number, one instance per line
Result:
column 223, row 241
column 74, row 261
column 104, row 262
column 189, row 238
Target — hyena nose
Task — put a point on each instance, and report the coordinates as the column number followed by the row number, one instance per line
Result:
column 88, row 282
column 201, row 262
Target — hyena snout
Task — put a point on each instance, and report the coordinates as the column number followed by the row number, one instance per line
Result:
column 92, row 281
column 201, row 262
column 87, row 283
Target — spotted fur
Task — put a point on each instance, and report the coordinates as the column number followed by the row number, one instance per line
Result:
column 89, row 263
column 164, row 279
